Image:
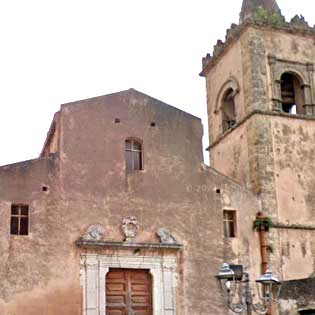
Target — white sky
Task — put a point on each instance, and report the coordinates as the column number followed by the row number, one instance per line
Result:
column 57, row 51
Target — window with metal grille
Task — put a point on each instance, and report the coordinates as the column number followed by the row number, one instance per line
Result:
column 134, row 155
column 19, row 220
column 229, row 223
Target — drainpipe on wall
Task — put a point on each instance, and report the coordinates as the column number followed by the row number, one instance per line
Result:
column 263, row 244
column 263, row 249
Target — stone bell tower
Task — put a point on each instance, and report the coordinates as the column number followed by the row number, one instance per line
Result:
column 261, row 109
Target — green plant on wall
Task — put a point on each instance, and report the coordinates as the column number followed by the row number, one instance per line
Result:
column 265, row 222
column 263, row 16
column 269, row 248
column 276, row 19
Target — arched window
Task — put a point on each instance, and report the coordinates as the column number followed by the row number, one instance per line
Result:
column 134, row 155
column 228, row 110
column 292, row 94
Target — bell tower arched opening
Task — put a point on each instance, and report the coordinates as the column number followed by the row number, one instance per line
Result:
column 228, row 110
column 292, row 94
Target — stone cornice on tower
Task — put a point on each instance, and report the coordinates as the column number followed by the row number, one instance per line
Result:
column 262, row 19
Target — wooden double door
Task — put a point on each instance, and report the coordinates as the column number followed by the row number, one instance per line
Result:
column 128, row 292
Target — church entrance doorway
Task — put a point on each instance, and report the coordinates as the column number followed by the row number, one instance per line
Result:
column 128, row 292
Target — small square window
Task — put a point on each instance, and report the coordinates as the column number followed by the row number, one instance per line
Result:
column 19, row 220
column 229, row 223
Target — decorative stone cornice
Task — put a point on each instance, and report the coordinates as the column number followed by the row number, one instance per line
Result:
column 297, row 226
column 258, row 112
column 125, row 245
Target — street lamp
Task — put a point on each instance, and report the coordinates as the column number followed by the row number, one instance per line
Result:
column 234, row 283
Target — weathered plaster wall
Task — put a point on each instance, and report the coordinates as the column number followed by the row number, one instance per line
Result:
column 246, row 154
column 93, row 161
column 294, row 151
column 230, row 156
column 228, row 67
column 90, row 185
column 27, row 178
column 282, row 174
column 294, row 168
column 254, row 69
column 289, row 46
column 297, row 254
column 253, row 142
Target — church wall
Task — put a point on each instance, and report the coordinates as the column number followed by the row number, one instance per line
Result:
column 244, row 249
column 52, row 284
column 254, row 71
column 295, row 179
column 297, row 253
column 294, row 152
column 286, row 185
column 230, row 156
column 289, row 46
column 24, row 266
column 51, row 145
column 228, row 67
column 27, row 178
column 176, row 191
column 94, row 160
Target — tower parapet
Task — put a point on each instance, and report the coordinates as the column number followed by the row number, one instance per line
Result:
column 257, row 16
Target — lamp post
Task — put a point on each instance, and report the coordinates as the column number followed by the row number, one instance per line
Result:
column 235, row 285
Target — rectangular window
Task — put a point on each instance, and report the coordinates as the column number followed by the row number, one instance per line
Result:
column 229, row 223
column 19, row 220
column 134, row 160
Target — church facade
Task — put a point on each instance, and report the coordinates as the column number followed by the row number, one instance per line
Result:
column 119, row 215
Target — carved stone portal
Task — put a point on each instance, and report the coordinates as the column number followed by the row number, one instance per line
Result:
column 94, row 233
column 165, row 236
column 130, row 227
